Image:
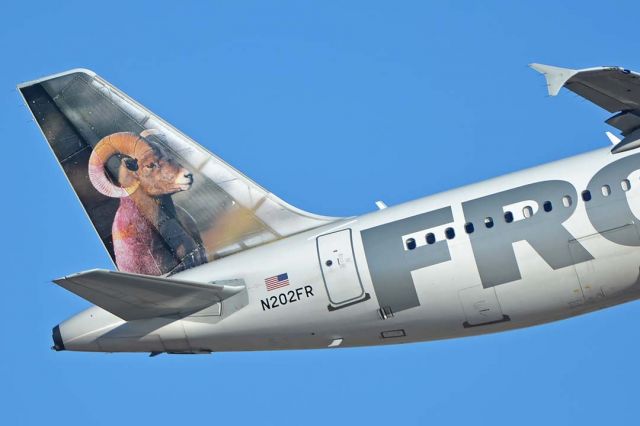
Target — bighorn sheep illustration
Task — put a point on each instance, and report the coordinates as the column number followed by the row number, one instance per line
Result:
column 150, row 234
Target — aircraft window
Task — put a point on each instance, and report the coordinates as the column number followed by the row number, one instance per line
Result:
column 449, row 233
column 468, row 227
column 547, row 206
column 488, row 222
column 411, row 243
column 431, row 238
column 508, row 217
column 527, row 211
column 606, row 190
column 625, row 184
column 566, row 201
column 586, row 195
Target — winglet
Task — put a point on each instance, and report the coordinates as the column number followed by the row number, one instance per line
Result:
column 556, row 77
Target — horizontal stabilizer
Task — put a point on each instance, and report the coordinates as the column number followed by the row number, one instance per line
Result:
column 133, row 296
column 614, row 89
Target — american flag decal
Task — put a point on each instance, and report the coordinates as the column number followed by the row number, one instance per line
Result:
column 277, row 281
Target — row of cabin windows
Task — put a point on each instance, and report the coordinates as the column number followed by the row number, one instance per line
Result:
column 605, row 190
column 527, row 212
column 450, row 233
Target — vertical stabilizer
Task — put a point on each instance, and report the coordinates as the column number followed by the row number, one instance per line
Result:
column 160, row 202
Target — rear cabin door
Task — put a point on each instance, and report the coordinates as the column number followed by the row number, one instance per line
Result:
column 339, row 269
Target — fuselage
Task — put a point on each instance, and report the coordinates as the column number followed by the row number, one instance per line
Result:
column 514, row 251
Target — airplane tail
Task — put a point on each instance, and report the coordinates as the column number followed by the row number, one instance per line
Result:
column 159, row 202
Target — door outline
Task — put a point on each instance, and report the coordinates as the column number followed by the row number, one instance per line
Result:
column 483, row 298
column 586, row 268
column 349, row 302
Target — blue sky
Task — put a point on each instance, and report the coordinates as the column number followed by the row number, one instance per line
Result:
column 331, row 105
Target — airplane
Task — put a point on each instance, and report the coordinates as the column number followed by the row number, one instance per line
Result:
column 209, row 261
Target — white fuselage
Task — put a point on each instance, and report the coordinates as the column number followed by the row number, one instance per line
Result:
column 338, row 297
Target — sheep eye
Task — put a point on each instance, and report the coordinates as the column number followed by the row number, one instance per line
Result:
column 151, row 165
column 131, row 164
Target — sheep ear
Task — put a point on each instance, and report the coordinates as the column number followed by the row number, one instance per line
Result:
column 131, row 163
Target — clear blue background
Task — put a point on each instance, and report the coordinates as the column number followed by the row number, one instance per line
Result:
column 331, row 105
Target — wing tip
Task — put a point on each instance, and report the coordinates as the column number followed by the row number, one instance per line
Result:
column 556, row 77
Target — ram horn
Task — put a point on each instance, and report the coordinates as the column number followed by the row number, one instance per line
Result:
column 118, row 143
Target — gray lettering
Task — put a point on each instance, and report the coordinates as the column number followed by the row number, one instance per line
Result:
column 493, row 248
column 616, row 211
column 390, row 265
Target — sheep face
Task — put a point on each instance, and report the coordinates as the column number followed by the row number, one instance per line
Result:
column 154, row 172
column 149, row 234
column 145, row 167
